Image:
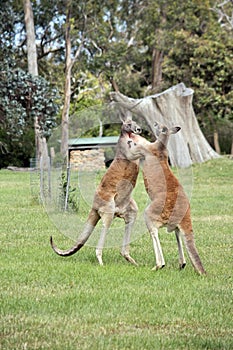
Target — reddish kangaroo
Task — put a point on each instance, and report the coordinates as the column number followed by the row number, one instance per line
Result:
column 113, row 198
column 169, row 204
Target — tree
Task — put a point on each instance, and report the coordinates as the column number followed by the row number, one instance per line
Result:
column 173, row 107
column 145, row 46
column 206, row 65
column 84, row 30
column 177, row 37
column 32, row 62
column 67, row 88
column 31, row 40
column 22, row 97
column 155, row 26
column 224, row 11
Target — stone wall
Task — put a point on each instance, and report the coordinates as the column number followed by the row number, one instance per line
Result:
column 89, row 160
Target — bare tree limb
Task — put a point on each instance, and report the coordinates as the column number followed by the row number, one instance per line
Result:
column 224, row 18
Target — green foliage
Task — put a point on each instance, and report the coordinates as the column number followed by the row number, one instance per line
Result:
column 11, row 17
column 206, row 65
column 68, row 194
column 87, row 91
column 49, row 302
column 119, row 40
column 22, row 98
column 211, row 69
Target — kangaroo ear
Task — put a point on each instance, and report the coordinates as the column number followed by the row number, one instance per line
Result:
column 128, row 120
column 174, row 130
column 124, row 114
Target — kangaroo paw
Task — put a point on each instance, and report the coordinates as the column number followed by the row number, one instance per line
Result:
column 99, row 258
column 158, row 267
column 129, row 259
column 182, row 266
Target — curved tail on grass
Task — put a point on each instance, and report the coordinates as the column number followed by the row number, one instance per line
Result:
column 193, row 254
column 67, row 252
column 88, row 229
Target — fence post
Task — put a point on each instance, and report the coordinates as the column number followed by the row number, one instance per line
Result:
column 41, row 178
column 67, row 186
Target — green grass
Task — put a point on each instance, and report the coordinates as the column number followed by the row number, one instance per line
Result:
column 49, row 302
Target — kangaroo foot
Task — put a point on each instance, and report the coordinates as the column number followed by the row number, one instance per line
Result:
column 100, row 262
column 182, row 265
column 129, row 259
column 99, row 257
column 158, row 267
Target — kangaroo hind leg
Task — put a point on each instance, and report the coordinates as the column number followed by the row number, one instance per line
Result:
column 160, row 262
column 193, row 253
column 130, row 218
column 153, row 227
column 182, row 261
column 107, row 220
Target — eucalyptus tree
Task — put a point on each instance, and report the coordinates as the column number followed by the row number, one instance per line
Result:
column 82, row 23
column 181, row 41
column 23, row 96
column 159, row 22
column 144, row 46
column 96, row 40
column 40, row 141
column 206, row 65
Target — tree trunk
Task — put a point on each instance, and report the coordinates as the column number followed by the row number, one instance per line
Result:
column 215, row 134
column 216, row 142
column 67, row 90
column 68, row 70
column 157, row 59
column 31, row 41
column 157, row 55
column 172, row 107
column 40, row 142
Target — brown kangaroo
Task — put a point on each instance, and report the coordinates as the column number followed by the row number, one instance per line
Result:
column 113, row 198
column 169, row 204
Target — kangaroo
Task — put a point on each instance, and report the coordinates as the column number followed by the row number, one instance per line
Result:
column 169, row 204
column 113, row 198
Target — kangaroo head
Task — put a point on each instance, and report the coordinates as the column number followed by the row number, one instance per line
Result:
column 162, row 132
column 129, row 126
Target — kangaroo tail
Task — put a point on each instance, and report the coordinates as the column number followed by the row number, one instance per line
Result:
column 193, row 253
column 88, row 229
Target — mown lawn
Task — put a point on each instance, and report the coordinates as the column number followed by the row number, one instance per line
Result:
column 49, row 302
